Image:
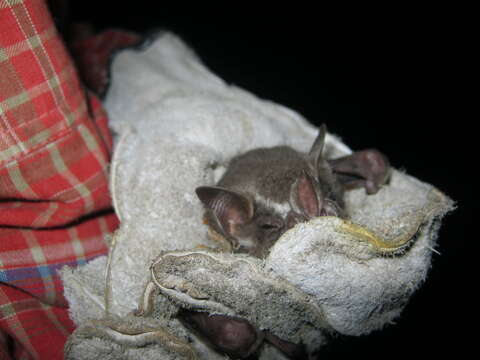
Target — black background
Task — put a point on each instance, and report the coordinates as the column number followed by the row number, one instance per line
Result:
column 381, row 78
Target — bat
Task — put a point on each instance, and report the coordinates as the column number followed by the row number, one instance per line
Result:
column 262, row 194
column 266, row 191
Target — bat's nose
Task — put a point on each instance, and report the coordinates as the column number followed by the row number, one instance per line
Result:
column 293, row 219
column 331, row 208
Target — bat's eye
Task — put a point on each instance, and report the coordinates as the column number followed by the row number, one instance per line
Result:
column 268, row 226
column 270, row 223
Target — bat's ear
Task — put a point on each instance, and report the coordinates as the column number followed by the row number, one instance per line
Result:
column 304, row 197
column 315, row 153
column 229, row 208
column 367, row 168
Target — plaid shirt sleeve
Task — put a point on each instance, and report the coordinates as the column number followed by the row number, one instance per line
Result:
column 55, row 207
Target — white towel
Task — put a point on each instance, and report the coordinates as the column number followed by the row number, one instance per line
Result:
column 177, row 125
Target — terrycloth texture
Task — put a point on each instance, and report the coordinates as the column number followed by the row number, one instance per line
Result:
column 363, row 278
column 112, row 339
column 178, row 125
column 239, row 286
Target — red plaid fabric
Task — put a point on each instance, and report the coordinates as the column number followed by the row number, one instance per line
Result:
column 54, row 203
column 92, row 56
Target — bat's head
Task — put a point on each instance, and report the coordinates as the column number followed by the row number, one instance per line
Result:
column 265, row 192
